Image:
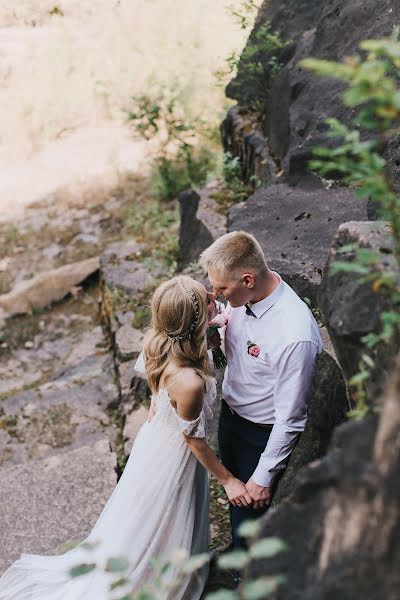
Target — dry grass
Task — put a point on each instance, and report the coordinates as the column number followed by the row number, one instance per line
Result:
column 71, row 63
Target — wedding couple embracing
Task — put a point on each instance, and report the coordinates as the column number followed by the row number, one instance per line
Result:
column 160, row 504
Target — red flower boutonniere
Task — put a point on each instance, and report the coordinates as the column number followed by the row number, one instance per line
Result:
column 252, row 348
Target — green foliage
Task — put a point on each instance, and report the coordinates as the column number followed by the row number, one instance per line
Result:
column 259, row 62
column 163, row 584
column 155, row 225
column 372, row 91
column 185, row 157
column 82, row 569
column 233, row 189
column 315, row 310
column 256, row 589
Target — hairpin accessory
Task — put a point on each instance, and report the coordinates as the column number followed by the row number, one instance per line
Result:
column 188, row 335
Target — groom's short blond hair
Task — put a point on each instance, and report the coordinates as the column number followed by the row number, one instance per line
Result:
column 234, row 252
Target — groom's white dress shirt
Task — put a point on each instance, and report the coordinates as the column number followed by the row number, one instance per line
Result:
column 273, row 387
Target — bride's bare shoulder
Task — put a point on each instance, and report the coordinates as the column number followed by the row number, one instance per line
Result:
column 188, row 394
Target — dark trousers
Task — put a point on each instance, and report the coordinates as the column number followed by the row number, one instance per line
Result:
column 241, row 444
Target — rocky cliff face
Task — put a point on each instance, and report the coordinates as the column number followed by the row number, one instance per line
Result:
column 342, row 521
column 293, row 104
column 341, row 518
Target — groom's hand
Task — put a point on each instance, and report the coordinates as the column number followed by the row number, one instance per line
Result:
column 260, row 495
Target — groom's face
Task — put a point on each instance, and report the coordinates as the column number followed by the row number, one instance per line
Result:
column 232, row 288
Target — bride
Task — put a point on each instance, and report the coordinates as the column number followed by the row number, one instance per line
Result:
column 160, row 504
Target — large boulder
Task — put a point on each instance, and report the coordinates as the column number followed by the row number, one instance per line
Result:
column 351, row 308
column 327, row 409
column 200, row 224
column 47, row 287
column 47, row 503
column 293, row 102
column 342, row 520
column 295, row 226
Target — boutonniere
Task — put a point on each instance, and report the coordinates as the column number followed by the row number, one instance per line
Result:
column 252, row 348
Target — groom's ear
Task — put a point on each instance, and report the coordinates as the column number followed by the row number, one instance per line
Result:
column 248, row 280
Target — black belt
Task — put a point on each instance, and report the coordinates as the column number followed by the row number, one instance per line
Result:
column 235, row 414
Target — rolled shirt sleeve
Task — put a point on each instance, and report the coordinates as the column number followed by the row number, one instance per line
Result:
column 294, row 373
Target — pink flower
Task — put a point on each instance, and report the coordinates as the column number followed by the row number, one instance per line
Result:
column 254, row 350
column 220, row 319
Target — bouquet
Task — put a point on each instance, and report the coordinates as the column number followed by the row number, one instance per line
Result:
column 220, row 320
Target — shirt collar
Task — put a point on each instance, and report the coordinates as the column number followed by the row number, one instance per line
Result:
column 261, row 307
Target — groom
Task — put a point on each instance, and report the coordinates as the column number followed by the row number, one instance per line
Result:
column 271, row 344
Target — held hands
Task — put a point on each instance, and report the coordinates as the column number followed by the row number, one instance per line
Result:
column 237, row 493
column 260, row 496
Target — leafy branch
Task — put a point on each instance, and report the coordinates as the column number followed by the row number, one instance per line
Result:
column 358, row 159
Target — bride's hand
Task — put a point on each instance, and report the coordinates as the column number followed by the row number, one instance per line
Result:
column 237, row 493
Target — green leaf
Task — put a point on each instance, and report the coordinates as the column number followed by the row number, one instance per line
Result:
column 222, row 595
column 117, row 565
column 82, row 569
column 119, row 583
column 348, row 267
column 237, row 559
column 249, row 528
column 89, row 545
column 261, row 588
column 368, row 360
column 267, row 547
column 370, row 340
column 196, row 562
column 359, row 377
column 347, row 248
column 165, row 568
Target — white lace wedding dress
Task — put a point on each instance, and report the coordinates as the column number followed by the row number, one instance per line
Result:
column 160, row 505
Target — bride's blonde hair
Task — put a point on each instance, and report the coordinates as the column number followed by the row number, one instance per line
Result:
column 177, row 331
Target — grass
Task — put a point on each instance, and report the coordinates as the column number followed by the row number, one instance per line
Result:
column 83, row 61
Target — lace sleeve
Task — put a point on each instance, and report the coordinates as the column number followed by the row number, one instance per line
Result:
column 196, row 428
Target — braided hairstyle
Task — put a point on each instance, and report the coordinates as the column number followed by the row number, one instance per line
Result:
column 177, row 331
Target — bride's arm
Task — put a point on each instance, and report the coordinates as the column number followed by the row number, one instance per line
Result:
column 234, row 488
column 189, row 405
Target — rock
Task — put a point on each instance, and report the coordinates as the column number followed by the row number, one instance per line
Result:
column 342, row 520
column 68, row 412
column 351, row 309
column 194, row 237
column 90, row 343
column 295, row 226
column 133, row 423
column 293, row 104
column 49, row 502
column 126, row 284
column 241, row 134
column 47, row 287
column 209, row 212
column 327, row 342
column 123, row 269
column 200, row 225
column 327, row 409
column 132, row 386
column 128, row 342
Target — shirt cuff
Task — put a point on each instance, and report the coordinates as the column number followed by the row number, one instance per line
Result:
column 263, row 477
